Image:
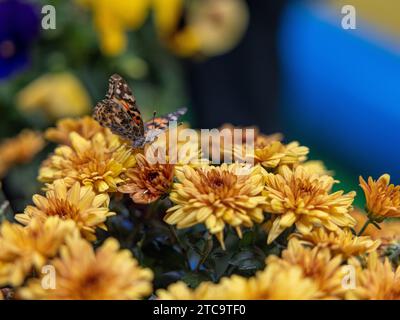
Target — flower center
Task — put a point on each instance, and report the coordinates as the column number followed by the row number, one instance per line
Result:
column 91, row 281
column 217, row 182
column 91, row 284
column 62, row 208
column 152, row 175
column 91, row 163
column 303, row 188
column 221, row 184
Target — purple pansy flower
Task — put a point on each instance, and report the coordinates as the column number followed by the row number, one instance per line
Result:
column 19, row 27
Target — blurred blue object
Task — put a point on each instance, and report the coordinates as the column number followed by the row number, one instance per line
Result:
column 19, row 27
column 341, row 89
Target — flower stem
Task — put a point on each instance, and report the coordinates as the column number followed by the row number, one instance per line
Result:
column 366, row 224
column 207, row 250
column 178, row 241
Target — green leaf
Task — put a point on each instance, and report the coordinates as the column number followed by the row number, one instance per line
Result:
column 248, row 261
column 194, row 279
column 248, row 239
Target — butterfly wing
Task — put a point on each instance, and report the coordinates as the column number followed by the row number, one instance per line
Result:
column 162, row 122
column 119, row 111
column 156, row 126
column 118, row 88
column 110, row 115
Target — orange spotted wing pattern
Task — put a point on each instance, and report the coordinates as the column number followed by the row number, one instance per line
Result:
column 163, row 122
column 120, row 113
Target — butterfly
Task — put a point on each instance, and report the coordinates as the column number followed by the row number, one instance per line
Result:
column 120, row 113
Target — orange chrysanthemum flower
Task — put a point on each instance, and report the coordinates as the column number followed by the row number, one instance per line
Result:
column 340, row 242
column 277, row 154
column 19, row 150
column 378, row 281
column 86, row 127
column 84, row 274
column 181, row 291
column 260, row 140
column 276, row 282
column 23, row 249
column 217, row 196
column 382, row 198
column 147, row 182
column 317, row 167
column 99, row 162
column 78, row 203
column 317, row 264
column 230, row 143
column 298, row 197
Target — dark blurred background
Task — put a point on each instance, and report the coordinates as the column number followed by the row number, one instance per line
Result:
column 242, row 86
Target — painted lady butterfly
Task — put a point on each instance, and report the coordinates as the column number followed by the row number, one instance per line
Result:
column 120, row 113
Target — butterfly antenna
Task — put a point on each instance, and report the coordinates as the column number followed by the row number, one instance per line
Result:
column 154, row 116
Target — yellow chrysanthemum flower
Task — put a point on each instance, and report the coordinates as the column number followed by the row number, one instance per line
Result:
column 113, row 19
column 383, row 198
column 219, row 25
column 270, row 156
column 273, row 283
column 317, row 167
column 378, row 281
column 217, row 196
column 316, row 264
column 19, row 150
column 99, row 162
column 297, row 197
column 277, row 154
column 78, row 203
column 25, row 248
column 84, row 274
column 58, row 95
column 260, row 140
column 180, row 291
column 294, row 154
column 86, row 127
column 233, row 143
column 340, row 242
column 211, row 28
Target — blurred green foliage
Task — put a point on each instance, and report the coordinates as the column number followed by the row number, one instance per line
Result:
column 154, row 74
